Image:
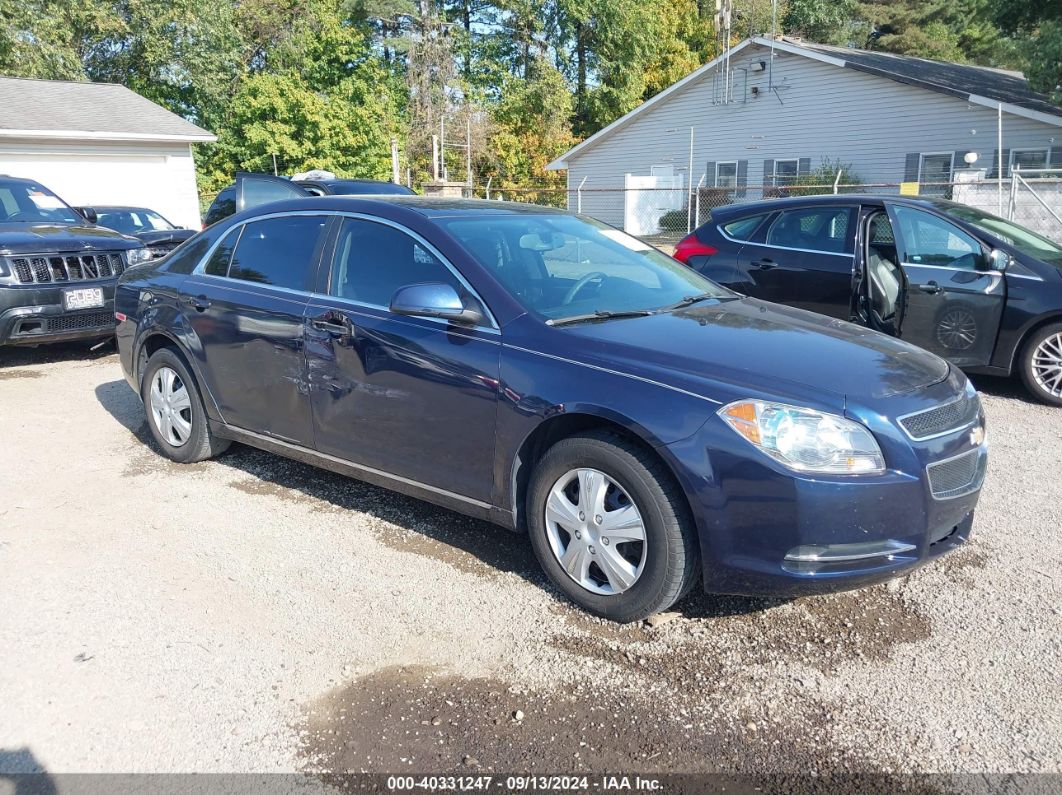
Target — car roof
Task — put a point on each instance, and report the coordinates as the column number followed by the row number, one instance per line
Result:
column 826, row 200
column 121, row 208
column 425, row 206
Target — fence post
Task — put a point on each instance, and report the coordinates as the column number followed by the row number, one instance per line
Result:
column 489, row 180
column 697, row 215
column 837, row 181
column 579, row 196
column 1013, row 193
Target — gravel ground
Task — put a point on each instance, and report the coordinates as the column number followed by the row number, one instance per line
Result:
column 252, row 614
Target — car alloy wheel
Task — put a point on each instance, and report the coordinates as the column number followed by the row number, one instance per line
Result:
column 1047, row 365
column 595, row 531
column 171, row 406
column 957, row 330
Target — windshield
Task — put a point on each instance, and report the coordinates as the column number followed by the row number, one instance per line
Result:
column 130, row 222
column 1025, row 240
column 30, row 203
column 566, row 267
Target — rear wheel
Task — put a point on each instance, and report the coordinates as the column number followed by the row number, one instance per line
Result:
column 1041, row 364
column 175, row 412
column 610, row 527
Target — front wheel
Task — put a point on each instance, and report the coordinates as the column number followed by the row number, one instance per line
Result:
column 1041, row 364
column 610, row 527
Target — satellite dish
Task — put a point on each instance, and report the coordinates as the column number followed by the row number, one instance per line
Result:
column 970, row 158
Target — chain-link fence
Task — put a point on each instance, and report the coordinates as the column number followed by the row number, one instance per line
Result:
column 665, row 215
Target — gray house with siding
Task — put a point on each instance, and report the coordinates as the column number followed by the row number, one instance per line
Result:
column 772, row 111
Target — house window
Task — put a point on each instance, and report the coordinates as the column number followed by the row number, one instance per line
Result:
column 934, row 173
column 785, row 171
column 726, row 175
column 1028, row 159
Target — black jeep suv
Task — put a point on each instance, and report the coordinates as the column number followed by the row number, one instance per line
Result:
column 57, row 270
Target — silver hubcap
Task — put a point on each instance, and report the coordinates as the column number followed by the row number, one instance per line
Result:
column 595, row 531
column 171, row 407
column 1047, row 365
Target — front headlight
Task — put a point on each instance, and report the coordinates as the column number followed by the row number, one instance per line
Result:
column 136, row 256
column 804, row 439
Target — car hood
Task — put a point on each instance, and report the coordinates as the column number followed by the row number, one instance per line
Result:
column 158, row 237
column 46, row 238
column 754, row 344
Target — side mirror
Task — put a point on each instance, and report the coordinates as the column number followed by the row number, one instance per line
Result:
column 434, row 299
column 998, row 260
column 88, row 214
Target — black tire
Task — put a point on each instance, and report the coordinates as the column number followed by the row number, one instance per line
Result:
column 1028, row 374
column 200, row 444
column 671, row 562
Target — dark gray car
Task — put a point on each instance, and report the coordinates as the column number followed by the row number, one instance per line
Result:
column 57, row 270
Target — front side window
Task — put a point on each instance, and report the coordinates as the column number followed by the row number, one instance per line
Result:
column 785, row 171
column 277, row 251
column 27, row 202
column 814, row 229
column 726, row 175
column 373, row 260
column 563, row 266
column 927, row 239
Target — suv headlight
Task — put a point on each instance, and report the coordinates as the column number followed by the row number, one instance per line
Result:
column 804, row 439
column 136, row 256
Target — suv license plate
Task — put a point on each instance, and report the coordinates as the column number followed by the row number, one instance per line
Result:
column 83, row 298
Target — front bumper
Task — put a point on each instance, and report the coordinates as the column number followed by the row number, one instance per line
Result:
column 766, row 531
column 34, row 314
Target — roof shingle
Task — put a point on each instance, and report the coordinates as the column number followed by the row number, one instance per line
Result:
column 106, row 110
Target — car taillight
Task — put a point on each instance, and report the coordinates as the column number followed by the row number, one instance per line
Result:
column 690, row 246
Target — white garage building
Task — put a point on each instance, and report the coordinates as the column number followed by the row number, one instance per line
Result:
column 98, row 144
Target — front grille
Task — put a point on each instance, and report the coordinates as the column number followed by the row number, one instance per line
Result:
column 75, row 322
column 957, row 476
column 942, row 419
column 60, row 268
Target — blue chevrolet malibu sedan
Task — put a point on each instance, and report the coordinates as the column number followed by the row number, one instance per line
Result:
column 646, row 427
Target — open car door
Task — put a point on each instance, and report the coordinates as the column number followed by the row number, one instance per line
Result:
column 255, row 189
column 880, row 286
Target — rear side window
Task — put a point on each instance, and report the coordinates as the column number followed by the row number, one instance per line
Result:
column 218, row 264
column 278, row 251
column 188, row 254
column 223, row 206
column 373, row 260
column 744, row 228
column 814, row 228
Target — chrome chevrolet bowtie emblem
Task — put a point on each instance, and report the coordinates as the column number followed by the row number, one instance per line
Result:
column 977, row 435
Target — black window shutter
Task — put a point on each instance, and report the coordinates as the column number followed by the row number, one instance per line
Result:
column 1055, row 157
column 768, row 172
column 994, row 173
column 709, row 169
column 958, row 161
column 804, row 166
column 742, row 176
column 910, row 167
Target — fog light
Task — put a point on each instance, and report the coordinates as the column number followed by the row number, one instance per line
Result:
column 812, row 558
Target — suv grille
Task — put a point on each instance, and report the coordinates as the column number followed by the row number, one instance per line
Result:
column 942, row 419
column 957, row 476
column 55, row 268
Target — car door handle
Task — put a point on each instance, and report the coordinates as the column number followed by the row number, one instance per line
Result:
column 765, row 264
column 200, row 303
column 333, row 323
column 931, row 287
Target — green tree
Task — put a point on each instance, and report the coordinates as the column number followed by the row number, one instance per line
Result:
column 821, row 21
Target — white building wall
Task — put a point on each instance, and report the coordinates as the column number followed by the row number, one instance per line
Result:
column 159, row 176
